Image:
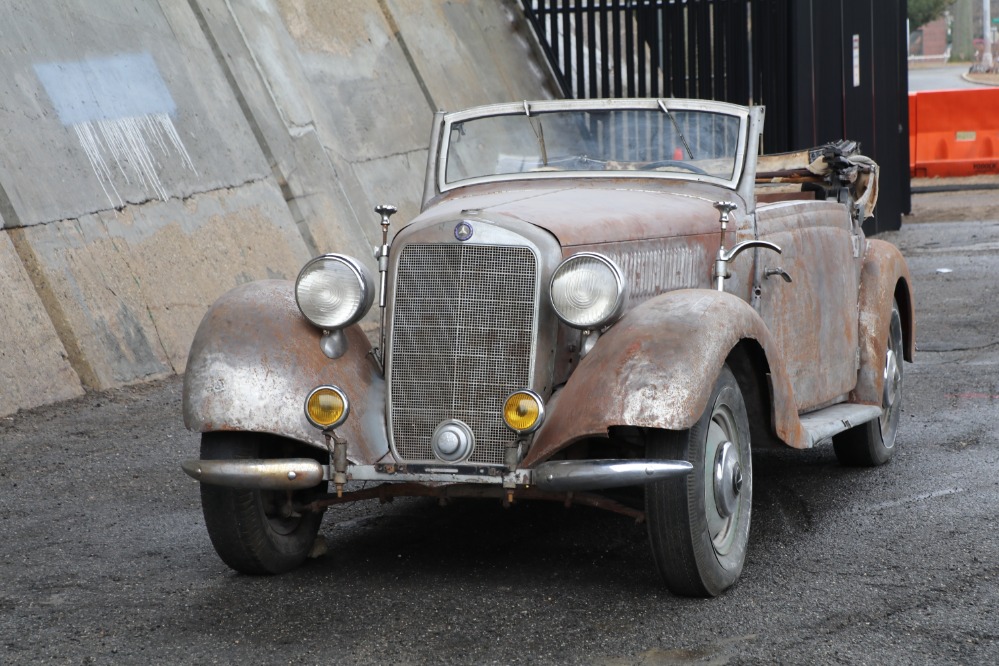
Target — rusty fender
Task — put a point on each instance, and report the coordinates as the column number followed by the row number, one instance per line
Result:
column 884, row 276
column 656, row 368
column 254, row 361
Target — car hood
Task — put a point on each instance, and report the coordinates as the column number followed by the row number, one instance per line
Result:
column 584, row 214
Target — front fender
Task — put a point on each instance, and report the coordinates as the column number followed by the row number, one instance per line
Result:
column 254, row 360
column 656, row 368
column 884, row 276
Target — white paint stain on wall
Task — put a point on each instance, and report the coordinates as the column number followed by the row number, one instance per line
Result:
column 120, row 109
column 129, row 145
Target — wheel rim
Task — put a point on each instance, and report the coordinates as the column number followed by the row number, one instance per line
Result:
column 273, row 504
column 723, row 480
column 891, row 398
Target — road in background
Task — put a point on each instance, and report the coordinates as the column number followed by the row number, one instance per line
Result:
column 105, row 558
column 942, row 77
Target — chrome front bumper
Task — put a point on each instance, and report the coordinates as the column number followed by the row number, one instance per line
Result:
column 554, row 476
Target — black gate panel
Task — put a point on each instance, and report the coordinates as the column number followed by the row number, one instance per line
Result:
column 825, row 69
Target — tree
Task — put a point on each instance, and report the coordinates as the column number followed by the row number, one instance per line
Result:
column 922, row 12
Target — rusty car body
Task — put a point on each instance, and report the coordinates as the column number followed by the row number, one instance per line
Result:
column 596, row 294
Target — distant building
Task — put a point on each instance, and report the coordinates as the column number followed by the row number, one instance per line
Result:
column 929, row 42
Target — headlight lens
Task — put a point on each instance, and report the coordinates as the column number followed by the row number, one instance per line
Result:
column 333, row 291
column 327, row 407
column 587, row 291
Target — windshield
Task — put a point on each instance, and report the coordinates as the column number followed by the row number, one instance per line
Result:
column 691, row 142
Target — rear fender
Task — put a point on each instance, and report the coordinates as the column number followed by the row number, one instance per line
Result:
column 656, row 368
column 884, row 276
column 254, row 361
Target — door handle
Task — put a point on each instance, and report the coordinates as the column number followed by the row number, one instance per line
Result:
column 777, row 271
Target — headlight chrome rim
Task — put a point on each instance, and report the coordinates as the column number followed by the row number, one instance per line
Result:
column 558, row 292
column 339, row 420
column 311, row 284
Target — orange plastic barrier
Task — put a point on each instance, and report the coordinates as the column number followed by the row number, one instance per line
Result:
column 954, row 132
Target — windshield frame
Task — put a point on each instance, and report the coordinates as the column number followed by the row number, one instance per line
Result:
column 742, row 113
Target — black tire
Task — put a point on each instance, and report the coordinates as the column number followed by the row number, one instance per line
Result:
column 699, row 525
column 873, row 443
column 247, row 527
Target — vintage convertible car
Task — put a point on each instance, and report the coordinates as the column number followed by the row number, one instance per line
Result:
column 597, row 294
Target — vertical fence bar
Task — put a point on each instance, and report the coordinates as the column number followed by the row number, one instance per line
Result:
column 629, row 48
column 591, row 60
column 640, row 59
column 579, row 42
column 701, row 18
column 719, row 35
column 616, row 23
column 566, row 39
column 604, row 11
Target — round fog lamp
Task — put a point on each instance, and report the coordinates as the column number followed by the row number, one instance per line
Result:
column 523, row 411
column 327, row 407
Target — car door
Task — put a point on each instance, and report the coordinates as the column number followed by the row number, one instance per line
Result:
column 808, row 295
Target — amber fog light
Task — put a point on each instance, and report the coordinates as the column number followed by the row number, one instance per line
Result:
column 523, row 411
column 327, row 407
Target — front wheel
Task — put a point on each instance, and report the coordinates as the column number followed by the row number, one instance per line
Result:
column 257, row 531
column 699, row 525
column 873, row 443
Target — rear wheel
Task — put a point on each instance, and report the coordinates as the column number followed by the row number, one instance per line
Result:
column 257, row 531
column 873, row 443
column 699, row 525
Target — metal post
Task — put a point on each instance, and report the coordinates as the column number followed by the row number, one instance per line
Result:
column 382, row 255
column 986, row 35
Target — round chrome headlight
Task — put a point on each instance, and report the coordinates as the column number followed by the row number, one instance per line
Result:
column 334, row 291
column 587, row 291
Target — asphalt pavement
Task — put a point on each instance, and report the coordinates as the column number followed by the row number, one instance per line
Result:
column 104, row 556
column 939, row 77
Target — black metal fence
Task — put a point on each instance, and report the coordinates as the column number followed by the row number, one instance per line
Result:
column 825, row 69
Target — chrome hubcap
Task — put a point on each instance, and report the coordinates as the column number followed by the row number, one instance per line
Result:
column 727, row 480
column 723, row 480
column 891, row 395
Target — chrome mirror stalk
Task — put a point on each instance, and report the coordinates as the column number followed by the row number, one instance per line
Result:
column 721, row 271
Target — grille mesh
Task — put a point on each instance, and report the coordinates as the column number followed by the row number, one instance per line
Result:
column 461, row 342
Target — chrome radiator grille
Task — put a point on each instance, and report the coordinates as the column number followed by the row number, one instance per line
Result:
column 462, row 341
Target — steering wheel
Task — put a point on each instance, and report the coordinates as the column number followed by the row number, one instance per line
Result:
column 673, row 163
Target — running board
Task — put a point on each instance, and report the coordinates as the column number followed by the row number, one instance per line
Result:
column 824, row 423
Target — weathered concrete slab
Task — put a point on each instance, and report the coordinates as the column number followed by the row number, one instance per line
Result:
column 376, row 72
column 111, row 103
column 471, row 52
column 157, row 153
column 130, row 287
column 34, row 366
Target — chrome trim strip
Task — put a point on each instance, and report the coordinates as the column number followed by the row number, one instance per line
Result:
column 373, row 473
column 555, row 476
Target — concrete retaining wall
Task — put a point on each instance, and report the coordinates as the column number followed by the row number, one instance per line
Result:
column 157, row 154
